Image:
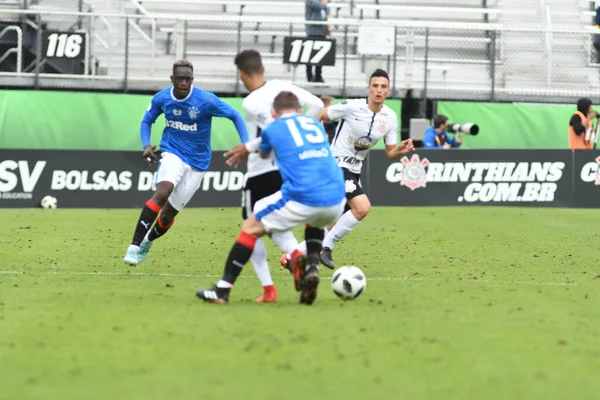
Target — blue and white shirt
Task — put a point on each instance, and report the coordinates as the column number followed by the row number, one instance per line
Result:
column 310, row 174
column 189, row 121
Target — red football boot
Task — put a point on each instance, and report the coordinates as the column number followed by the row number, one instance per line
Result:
column 269, row 295
column 286, row 262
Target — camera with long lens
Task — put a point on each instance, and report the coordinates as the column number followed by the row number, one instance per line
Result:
column 468, row 129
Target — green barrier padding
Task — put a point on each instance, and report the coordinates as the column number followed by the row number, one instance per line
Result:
column 512, row 126
column 94, row 121
column 87, row 121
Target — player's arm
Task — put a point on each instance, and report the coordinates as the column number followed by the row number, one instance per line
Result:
column 265, row 145
column 239, row 153
column 219, row 108
column 453, row 141
column 323, row 116
column 336, row 111
column 577, row 124
column 392, row 150
column 313, row 104
column 152, row 112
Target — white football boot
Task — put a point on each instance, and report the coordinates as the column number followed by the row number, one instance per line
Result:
column 131, row 256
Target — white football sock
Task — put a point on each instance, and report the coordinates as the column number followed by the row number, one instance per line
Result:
column 259, row 261
column 342, row 227
column 302, row 246
column 285, row 240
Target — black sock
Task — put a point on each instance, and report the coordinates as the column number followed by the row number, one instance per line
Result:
column 160, row 228
column 314, row 244
column 147, row 218
column 238, row 256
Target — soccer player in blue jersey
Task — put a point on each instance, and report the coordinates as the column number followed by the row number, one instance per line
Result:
column 186, row 152
column 312, row 194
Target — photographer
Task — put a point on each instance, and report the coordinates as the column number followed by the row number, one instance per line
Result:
column 436, row 136
column 581, row 126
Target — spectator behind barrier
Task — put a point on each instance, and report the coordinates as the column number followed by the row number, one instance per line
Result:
column 436, row 136
column 316, row 10
column 581, row 126
column 411, row 108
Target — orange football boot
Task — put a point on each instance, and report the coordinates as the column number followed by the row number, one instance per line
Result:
column 269, row 295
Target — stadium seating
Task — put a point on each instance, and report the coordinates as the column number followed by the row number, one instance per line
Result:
column 216, row 42
column 6, row 5
column 240, row 7
column 428, row 12
column 459, row 46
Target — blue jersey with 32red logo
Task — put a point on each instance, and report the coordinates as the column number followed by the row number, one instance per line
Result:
column 188, row 124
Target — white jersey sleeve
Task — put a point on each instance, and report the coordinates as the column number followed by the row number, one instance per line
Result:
column 340, row 110
column 391, row 137
column 257, row 109
column 313, row 104
column 256, row 117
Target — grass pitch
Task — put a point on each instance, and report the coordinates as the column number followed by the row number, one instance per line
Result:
column 461, row 303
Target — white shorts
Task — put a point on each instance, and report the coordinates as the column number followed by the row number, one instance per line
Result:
column 185, row 179
column 279, row 215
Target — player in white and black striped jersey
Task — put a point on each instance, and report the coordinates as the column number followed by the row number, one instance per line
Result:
column 263, row 178
column 363, row 122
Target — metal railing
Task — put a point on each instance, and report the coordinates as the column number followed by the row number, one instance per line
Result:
column 441, row 59
column 548, row 41
column 18, row 49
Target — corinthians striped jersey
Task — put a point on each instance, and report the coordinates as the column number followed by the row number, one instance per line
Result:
column 359, row 130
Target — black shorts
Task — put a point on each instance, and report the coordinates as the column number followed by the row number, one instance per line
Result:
column 258, row 187
column 353, row 187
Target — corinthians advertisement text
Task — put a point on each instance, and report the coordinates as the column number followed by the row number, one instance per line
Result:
column 120, row 179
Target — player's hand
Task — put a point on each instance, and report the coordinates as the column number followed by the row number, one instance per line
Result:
column 149, row 156
column 405, row 146
column 236, row 155
column 447, row 145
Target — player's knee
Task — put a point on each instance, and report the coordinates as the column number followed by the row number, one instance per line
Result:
column 160, row 197
column 162, row 193
column 361, row 209
column 253, row 227
column 249, row 226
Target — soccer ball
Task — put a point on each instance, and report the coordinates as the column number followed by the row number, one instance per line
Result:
column 348, row 282
column 49, row 202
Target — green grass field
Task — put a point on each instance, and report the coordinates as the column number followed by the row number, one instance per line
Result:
column 461, row 303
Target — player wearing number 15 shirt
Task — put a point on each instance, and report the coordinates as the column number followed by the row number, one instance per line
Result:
column 263, row 177
column 363, row 122
column 312, row 194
